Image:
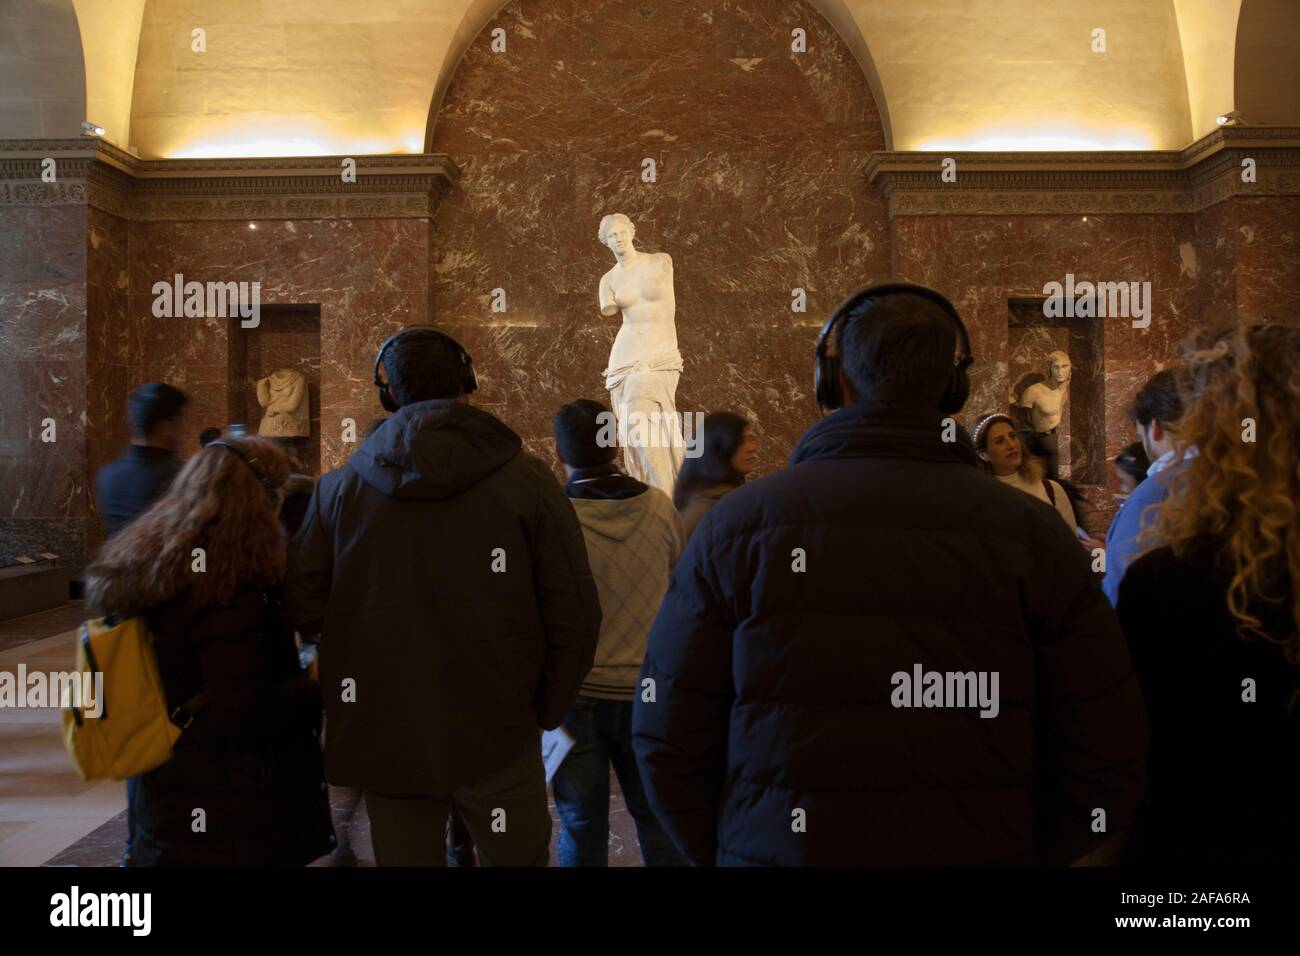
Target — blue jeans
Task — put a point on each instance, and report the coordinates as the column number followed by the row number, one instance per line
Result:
column 132, row 783
column 602, row 731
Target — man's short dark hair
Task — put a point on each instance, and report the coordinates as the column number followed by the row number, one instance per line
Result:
column 423, row 367
column 1158, row 400
column 151, row 405
column 577, row 429
column 1133, row 461
column 208, row 436
column 898, row 350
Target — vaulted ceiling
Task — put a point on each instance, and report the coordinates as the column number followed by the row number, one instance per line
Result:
column 302, row 77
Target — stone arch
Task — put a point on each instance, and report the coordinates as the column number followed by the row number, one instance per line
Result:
column 42, row 72
column 479, row 13
column 1266, row 67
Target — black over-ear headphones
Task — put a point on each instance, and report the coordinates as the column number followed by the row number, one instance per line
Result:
column 468, row 381
column 826, row 376
column 258, row 469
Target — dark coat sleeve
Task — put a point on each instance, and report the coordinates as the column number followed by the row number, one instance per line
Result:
column 567, row 600
column 680, row 734
column 1091, row 725
column 310, row 570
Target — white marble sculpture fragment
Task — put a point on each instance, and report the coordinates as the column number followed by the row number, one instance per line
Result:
column 644, row 364
column 1045, row 400
column 285, row 397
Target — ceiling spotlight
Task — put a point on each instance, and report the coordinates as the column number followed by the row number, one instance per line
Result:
column 92, row 129
column 252, row 225
column 1232, row 119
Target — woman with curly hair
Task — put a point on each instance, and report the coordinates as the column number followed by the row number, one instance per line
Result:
column 1212, row 613
column 202, row 566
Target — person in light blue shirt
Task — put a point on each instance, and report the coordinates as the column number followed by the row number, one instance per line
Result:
column 1155, row 411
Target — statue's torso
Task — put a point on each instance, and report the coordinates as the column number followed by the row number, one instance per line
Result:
column 643, row 291
column 1045, row 406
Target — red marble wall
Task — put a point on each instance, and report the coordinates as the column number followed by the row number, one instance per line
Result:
column 43, row 351
column 1254, row 247
column 759, row 154
column 369, row 277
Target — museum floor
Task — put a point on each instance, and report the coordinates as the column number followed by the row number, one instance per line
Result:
column 50, row 817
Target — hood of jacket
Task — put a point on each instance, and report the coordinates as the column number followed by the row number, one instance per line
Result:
column 866, row 430
column 614, row 518
column 434, row 449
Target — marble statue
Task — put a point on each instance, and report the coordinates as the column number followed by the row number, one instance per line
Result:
column 284, row 395
column 644, row 364
column 1045, row 404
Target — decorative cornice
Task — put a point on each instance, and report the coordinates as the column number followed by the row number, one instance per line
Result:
column 102, row 175
column 1166, row 181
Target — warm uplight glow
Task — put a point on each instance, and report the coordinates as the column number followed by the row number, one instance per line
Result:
column 234, row 138
column 1041, row 137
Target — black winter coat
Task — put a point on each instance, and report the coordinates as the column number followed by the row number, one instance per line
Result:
column 447, row 574
column 1225, row 771
column 773, row 738
column 251, row 759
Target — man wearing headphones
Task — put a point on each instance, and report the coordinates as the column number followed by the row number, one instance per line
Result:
column 446, row 573
column 881, row 656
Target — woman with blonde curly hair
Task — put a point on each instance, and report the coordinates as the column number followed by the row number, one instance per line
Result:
column 202, row 567
column 1212, row 613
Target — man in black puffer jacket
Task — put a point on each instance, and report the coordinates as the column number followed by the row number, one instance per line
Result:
column 446, row 573
column 792, row 718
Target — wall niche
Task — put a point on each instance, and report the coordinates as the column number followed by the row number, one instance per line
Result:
column 288, row 336
column 1031, row 338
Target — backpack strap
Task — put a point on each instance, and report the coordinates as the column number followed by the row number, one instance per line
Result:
column 184, row 715
column 1051, row 492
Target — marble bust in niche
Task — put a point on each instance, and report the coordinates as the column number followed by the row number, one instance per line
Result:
column 285, row 397
column 644, row 364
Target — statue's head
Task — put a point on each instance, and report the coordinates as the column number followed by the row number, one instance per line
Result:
column 1058, row 368
column 617, row 232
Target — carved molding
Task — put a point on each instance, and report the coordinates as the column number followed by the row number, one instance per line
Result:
column 106, row 177
column 1170, row 181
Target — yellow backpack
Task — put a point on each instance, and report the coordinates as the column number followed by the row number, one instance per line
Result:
column 133, row 731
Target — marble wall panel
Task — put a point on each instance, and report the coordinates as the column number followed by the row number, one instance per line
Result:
column 1267, row 240
column 369, row 277
column 43, row 350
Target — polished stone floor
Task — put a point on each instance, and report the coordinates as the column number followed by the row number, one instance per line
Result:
column 49, row 816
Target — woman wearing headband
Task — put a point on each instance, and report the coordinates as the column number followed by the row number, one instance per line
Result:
column 999, row 448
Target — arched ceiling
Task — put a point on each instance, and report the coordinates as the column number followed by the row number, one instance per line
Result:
column 328, row 77
column 42, row 81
